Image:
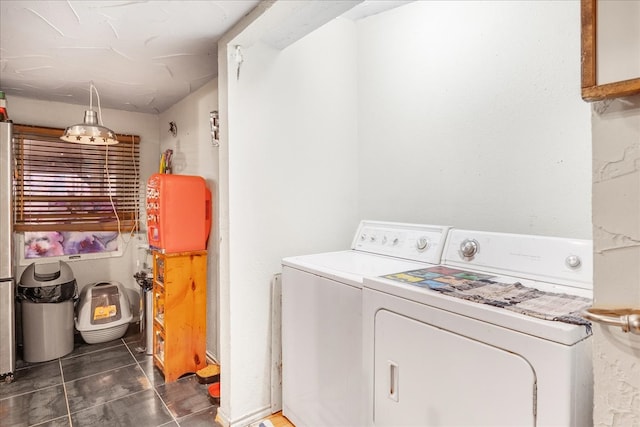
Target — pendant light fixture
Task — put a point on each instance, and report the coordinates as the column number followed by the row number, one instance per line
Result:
column 91, row 131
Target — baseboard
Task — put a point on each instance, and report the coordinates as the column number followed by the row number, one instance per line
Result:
column 222, row 418
column 245, row 420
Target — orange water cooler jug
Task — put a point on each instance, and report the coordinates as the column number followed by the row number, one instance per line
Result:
column 178, row 213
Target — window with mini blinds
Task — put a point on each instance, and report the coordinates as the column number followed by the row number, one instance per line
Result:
column 71, row 187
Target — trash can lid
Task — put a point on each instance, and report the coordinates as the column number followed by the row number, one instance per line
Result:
column 49, row 274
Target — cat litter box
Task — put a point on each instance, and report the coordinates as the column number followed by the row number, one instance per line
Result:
column 104, row 312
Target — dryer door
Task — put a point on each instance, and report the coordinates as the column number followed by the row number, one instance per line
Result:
column 428, row 376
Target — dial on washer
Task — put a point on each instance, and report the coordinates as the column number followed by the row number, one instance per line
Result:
column 422, row 244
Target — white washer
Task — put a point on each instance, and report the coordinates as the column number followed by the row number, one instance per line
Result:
column 439, row 360
column 322, row 376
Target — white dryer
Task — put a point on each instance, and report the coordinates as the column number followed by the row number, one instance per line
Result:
column 439, row 360
column 322, row 375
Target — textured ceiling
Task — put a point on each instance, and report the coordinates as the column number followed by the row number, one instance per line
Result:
column 142, row 56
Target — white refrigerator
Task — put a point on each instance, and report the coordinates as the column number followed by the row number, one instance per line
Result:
column 7, row 282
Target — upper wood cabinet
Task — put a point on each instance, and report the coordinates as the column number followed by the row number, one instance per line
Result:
column 603, row 43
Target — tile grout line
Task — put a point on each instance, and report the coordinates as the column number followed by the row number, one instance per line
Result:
column 24, row 393
column 135, row 362
column 153, row 386
column 108, row 401
column 61, row 361
column 73, row 356
column 93, row 352
column 102, row 372
column 173, row 418
column 66, row 396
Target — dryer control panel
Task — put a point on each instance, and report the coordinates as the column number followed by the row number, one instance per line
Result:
column 416, row 242
column 544, row 259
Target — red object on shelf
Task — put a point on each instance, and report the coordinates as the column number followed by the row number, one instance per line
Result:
column 178, row 213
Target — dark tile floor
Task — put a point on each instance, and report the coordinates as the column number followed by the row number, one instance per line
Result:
column 107, row 384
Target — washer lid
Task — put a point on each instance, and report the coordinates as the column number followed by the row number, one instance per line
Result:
column 349, row 267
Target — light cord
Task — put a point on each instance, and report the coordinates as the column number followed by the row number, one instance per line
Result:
column 106, row 156
column 106, row 167
column 100, row 122
column 113, row 206
column 136, row 215
column 91, row 87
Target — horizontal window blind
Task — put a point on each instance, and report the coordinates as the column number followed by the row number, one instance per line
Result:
column 61, row 186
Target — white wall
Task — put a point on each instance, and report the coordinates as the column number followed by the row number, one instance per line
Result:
column 616, row 218
column 419, row 114
column 470, row 115
column 289, row 163
column 616, row 233
column 194, row 154
column 60, row 115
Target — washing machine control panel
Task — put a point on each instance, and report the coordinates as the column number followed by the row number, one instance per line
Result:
column 416, row 242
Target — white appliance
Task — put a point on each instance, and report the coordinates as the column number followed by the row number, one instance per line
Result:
column 438, row 360
column 7, row 282
column 322, row 375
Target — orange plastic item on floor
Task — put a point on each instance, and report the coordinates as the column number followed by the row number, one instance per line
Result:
column 178, row 213
column 214, row 393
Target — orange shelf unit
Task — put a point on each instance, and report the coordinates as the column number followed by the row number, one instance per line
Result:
column 179, row 312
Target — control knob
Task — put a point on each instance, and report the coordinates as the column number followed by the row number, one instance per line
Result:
column 468, row 248
column 573, row 261
column 422, row 243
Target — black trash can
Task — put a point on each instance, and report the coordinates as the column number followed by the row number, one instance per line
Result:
column 47, row 293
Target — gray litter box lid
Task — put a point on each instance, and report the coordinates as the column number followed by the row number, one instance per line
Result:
column 50, row 274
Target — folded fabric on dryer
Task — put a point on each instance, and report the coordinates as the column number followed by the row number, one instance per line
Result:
column 516, row 297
